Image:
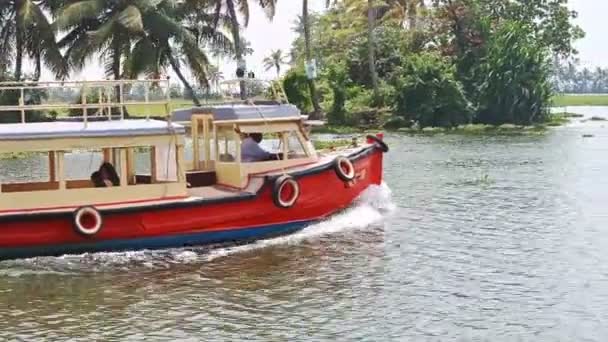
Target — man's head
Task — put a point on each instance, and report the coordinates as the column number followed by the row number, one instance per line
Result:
column 257, row 137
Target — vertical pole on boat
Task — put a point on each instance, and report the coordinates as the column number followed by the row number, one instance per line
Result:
column 237, row 142
column 52, row 167
column 153, row 170
column 22, row 104
column 181, row 173
column 168, row 104
column 60, row 169
column 123, row 167
column 107, row 155
column 83, row 100
column 196, row 148
column 122, row 100
column 216, row 143
column 207, row 137
column 131, row 166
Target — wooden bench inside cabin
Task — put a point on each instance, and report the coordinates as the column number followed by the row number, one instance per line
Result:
column 195, row 178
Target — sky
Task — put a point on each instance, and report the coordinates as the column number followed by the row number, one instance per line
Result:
column 266, row 35
column 593, row 49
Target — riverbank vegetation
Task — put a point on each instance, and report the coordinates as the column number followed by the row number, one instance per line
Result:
column 441, row 64
column 395, row 64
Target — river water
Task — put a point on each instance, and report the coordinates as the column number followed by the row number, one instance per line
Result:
column 472, row 238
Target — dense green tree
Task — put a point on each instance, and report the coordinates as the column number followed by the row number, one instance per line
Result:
column 25, row 31
column 472, row 37
column 428, row 92
column 514, row 77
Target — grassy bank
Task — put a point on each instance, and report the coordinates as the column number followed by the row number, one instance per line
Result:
column 473, row 129
column 478, row 129
column 157, row 110
column 580, row 100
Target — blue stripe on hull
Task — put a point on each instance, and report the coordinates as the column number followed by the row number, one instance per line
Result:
column 161, row 242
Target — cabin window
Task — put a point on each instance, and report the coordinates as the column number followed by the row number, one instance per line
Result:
column 80, row 164
column 226, row 146
column 83, row 168
column 38, row 177
column 203, row 162
column 165, row 163
column 294, row 146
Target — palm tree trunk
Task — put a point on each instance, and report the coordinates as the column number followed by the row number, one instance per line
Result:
column 178, row 72
column 311, row 82
column 236, row 36
column 117, row 76
column 38, row 70
column 19, row 42
column 371, row 23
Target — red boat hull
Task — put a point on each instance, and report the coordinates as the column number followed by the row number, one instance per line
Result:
column 185, row 223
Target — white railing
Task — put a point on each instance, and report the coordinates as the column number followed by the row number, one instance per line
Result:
column 110, row 95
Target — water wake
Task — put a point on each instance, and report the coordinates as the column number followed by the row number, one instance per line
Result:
column 372, row 206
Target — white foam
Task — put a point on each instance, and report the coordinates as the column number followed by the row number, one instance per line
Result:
column 369, row 209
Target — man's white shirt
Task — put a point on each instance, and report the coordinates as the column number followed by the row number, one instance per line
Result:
column 251, row 151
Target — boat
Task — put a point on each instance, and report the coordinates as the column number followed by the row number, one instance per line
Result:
column 194, row 187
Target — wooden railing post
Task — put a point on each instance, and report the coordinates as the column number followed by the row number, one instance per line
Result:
column 100, row 100
column 168, row 105
column 121, row 100
column 83, row 100
column 147, row 99
column 22, row 104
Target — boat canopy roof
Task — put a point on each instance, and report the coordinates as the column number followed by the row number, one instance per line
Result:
column 241, row 112
column 93, row 129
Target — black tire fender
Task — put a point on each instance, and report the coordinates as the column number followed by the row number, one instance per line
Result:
column 344, row 169
column 379, row 143
column 279, row 186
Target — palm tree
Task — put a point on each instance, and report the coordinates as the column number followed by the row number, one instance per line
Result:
column 136, row 38
column 406, row 12
column 311, row 83
column 246, row 47
column 371, row 25
column 228, row 9
column 275, row 60
column 26, row 32
column 215, row 77
column 371, row 12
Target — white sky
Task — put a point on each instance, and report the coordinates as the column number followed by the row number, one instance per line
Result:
column 265, row 36
column 593, row 49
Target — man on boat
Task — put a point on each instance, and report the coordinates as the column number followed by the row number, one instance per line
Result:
column 251, row 151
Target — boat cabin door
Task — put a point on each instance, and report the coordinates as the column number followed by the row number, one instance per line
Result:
column 202, row 126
